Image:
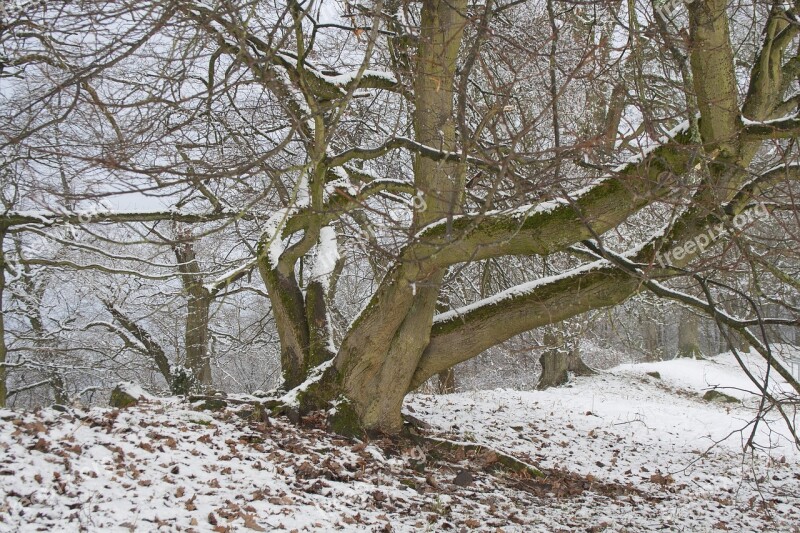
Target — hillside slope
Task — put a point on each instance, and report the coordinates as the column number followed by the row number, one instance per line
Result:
column 624, row 451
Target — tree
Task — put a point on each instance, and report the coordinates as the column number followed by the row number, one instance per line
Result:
column 472, row 130
column 689, row 336
column 562, row 357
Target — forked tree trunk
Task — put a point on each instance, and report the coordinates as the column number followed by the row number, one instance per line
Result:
column 380, row 354
column 378, row 357
column 390, row 348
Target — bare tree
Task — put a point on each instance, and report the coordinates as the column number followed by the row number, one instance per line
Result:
column 431, row 136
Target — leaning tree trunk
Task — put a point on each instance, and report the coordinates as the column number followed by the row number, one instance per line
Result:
column 179, row 382
column 392, row 338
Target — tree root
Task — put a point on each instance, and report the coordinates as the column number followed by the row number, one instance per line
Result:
column 490, row 457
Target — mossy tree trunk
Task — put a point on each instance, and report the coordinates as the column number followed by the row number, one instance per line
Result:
column 395, row 344
column 379, row 355
column 398, row 342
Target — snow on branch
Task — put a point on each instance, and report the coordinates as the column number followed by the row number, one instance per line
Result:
column 779, row 128
column 523, row 289
column 327, row 254
column 51, row 218
column 411, row 146
column 271, row 245
column 222, row 281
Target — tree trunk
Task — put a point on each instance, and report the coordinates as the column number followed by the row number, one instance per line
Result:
column 319, row 331
column 60, row 394
column 736, row 342
column 447, row 381
column 384, row 344
column 575, row 361
column 561, row 359
column 3, row 389
column 555, row 369
column 197, row 356
column 652, row 345
column 689, row 336
column 380, row 354
column 197, row 360
column 154, row 350
column 286, row 300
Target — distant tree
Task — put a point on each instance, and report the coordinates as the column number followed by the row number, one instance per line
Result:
column 689, row 336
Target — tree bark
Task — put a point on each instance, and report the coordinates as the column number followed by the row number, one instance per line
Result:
column 396, row 335
column 555, row 363
column 60, row 394
column 381, row 352
column 198, row 303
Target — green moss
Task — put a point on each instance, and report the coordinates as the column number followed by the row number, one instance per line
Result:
column 121, row 399
column 212, row 404
column 720, row 397
column 409, row 482
column 345, row 420
column 182, row 382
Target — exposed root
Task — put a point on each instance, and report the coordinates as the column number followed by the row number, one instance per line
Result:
column 489, row 457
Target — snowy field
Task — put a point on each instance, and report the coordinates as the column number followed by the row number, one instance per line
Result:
column 624, row 451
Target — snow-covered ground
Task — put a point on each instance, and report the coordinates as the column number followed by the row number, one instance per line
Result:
column 624, row 451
